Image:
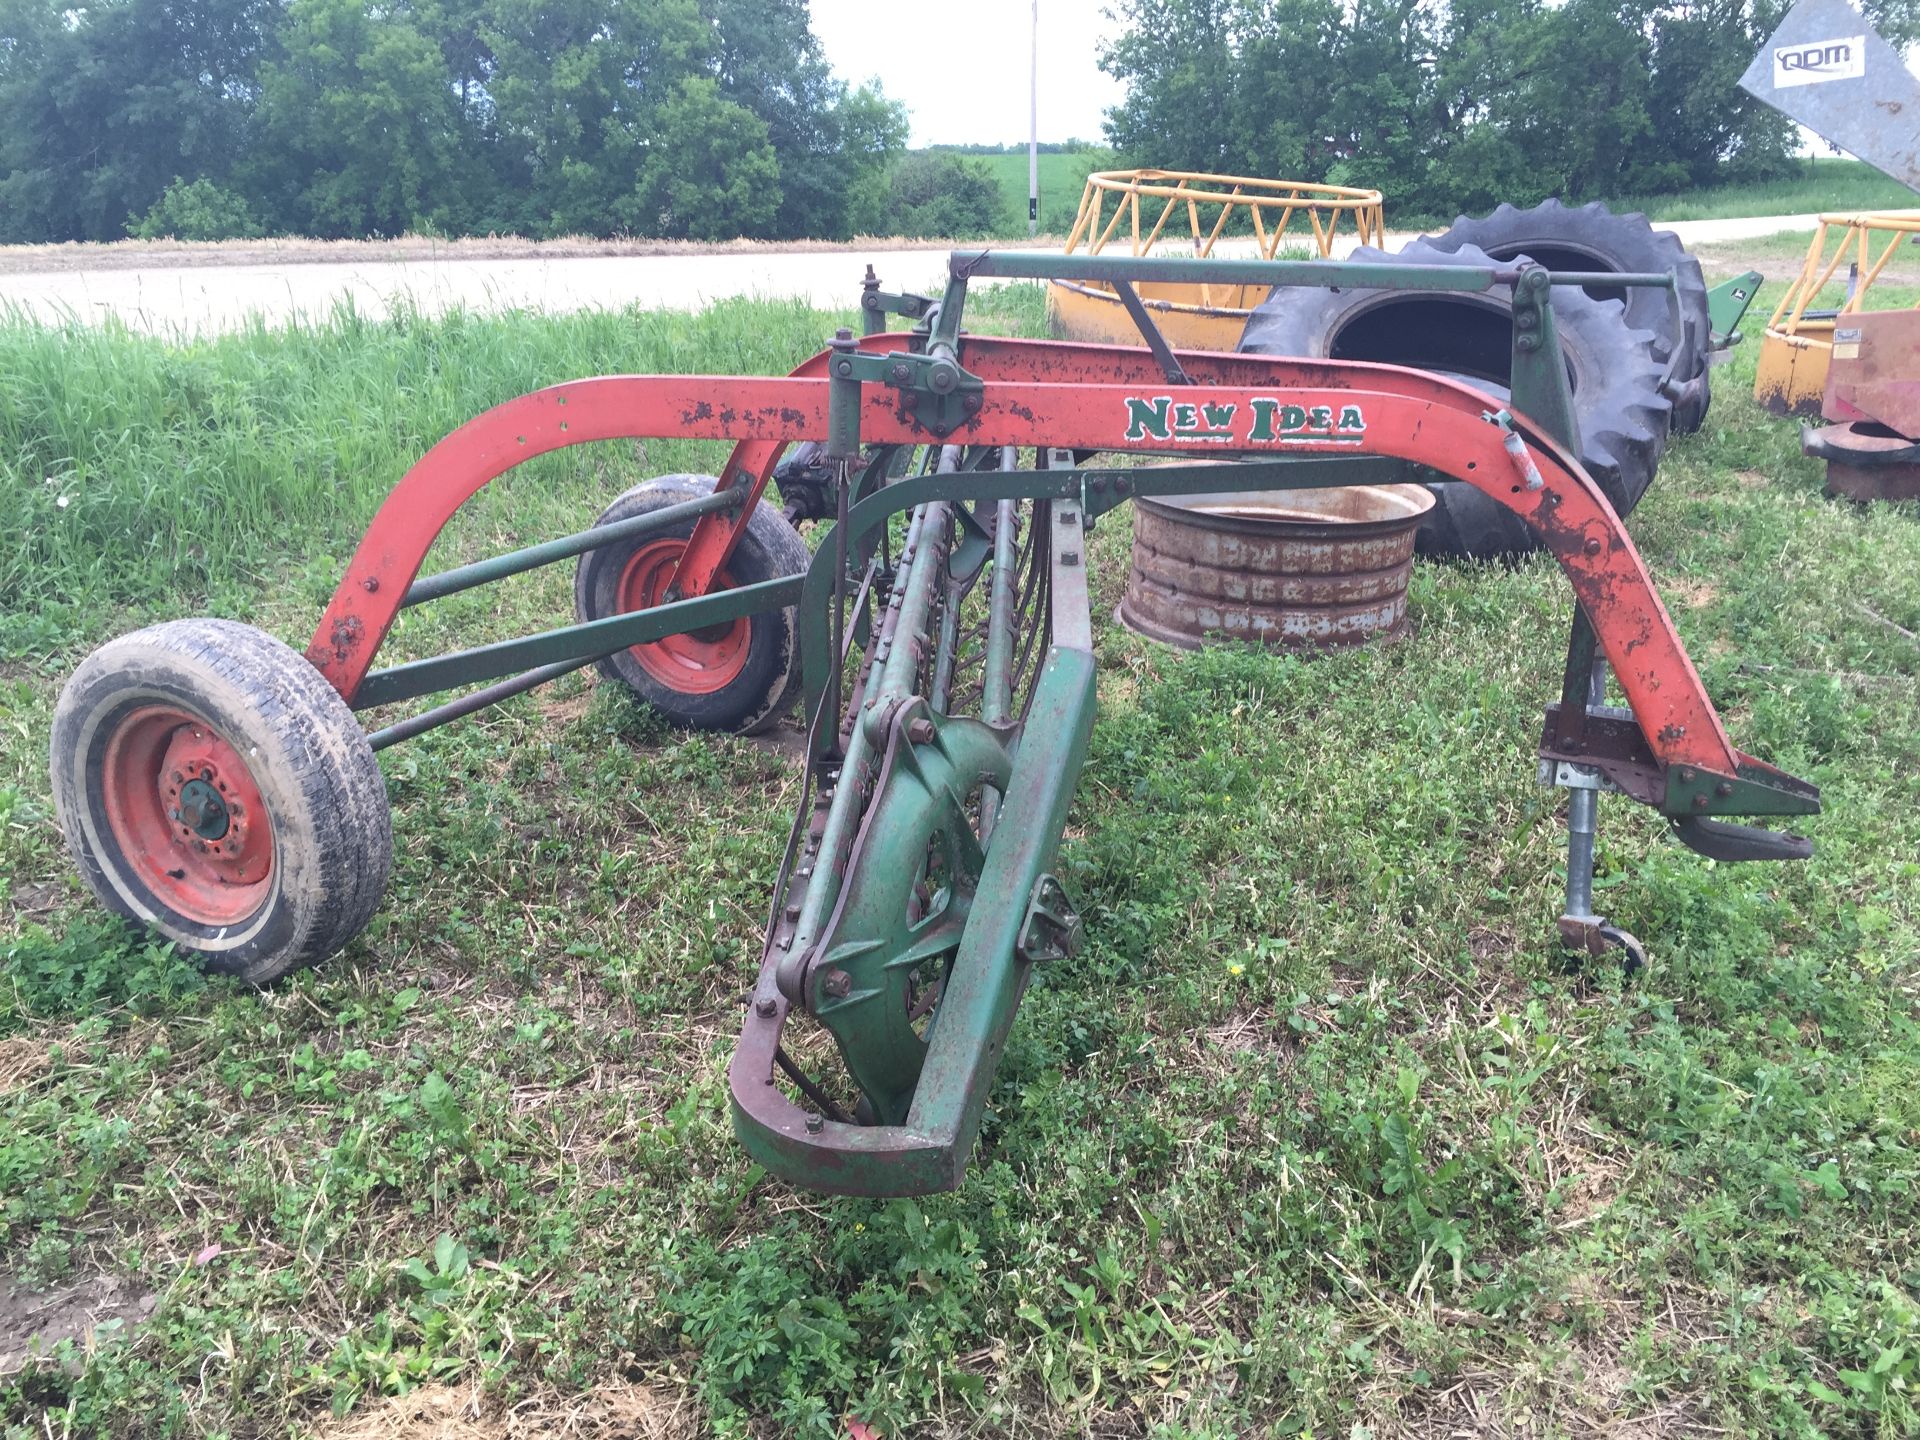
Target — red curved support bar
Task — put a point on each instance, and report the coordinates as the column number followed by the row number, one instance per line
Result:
column 1042, row 393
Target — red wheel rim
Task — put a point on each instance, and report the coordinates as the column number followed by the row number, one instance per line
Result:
column 187, row 816
column 699, row 662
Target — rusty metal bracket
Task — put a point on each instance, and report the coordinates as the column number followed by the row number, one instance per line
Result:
column 1052, row 928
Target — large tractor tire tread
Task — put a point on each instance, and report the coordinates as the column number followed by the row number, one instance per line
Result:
column 1615, row 370
column 1592, row 237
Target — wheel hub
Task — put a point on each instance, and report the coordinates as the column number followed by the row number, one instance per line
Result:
column 187, row 815
column 700, row 661
column 202, row 810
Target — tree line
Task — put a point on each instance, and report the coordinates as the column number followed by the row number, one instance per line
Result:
column 1455, row 105
column 710, row 119
column 208, row 118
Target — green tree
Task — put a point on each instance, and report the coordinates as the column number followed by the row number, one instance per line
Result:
column 1454, row 105
column 196, row 210
column 938, row 193
column 101, row 106
column 709, row 172
column 362, row 131
column 834, row 145
column 576, row 87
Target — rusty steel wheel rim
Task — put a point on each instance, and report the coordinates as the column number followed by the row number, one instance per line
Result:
column 699, row 662
column 185, row 812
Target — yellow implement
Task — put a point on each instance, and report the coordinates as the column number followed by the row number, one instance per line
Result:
column 1238, row 213
column 1792, row 368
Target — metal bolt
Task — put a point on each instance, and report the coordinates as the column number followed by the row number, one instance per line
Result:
column 176, row 812
column 1686, row 774
column 837, row 983
column 764, row 1009
column 370, row 584
column 1528, row 343
column 176, row 777
column 901, row 373
column 814, row 1122
column 920, row 732
column 970, row 402
column 1699, row 802
column 1723, row 789
column 1592, row 547
column 793, row 911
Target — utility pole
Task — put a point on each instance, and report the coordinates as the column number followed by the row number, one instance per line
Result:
column 1033, row 133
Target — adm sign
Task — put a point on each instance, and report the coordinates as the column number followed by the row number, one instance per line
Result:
column 1809, row 64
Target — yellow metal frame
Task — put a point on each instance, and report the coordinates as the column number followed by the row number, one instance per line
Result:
column 1791, row 374
column 1118, row 206
column 1280, row 200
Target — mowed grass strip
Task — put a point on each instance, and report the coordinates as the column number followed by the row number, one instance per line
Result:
column 1314, row 1134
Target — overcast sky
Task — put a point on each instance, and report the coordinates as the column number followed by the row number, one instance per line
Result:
column 962, row 70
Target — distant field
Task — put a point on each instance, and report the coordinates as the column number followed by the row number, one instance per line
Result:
column 1821, row 186
column 1062, row 178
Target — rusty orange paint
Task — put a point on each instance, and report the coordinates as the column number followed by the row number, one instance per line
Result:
column 1040, row 393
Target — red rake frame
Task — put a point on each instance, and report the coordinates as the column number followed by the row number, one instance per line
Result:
column 1278, row 422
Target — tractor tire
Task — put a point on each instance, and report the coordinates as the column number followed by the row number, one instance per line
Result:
column 1614, row 370
column 740, row 675
column 1592, row 237
column 214, row 788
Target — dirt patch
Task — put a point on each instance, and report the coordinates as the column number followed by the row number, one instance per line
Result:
column 180, row 254
column 1752, row 479
column 33, row 900
column 787, row 740
column 33, row 1322
column 565, row 712
column 1694, row 594
column 22, row 1059
column 1779, row 257
column 620, row 1411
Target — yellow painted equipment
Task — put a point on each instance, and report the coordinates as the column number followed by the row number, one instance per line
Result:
column 1791, row 378
column 1145, row 208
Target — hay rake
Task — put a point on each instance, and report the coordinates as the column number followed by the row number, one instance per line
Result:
column 216, row 786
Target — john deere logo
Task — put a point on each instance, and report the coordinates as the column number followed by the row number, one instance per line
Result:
column 1818, row 60
column 1161, row 417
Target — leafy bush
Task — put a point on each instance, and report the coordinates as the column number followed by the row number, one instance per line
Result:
column 196, row 210
column 941, row 194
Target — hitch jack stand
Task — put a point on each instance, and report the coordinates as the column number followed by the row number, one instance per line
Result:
column 1584, row 932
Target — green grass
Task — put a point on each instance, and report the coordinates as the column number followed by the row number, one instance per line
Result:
column 1062, row 179
column 1313, row 1137
column 1820, row 185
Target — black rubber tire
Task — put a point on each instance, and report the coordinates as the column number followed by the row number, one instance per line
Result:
column 305, row 753
column 1592, row 237
column 772, row 549
column 1615, row 374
